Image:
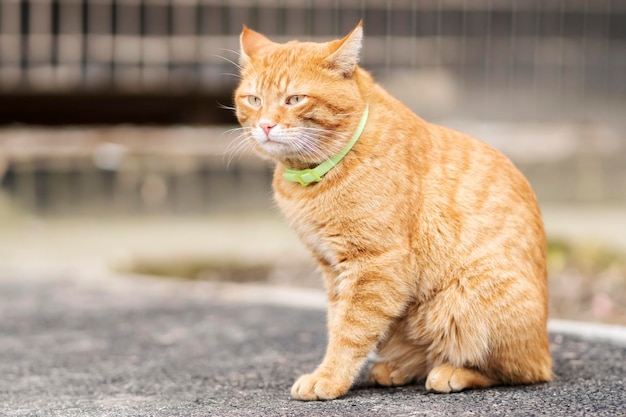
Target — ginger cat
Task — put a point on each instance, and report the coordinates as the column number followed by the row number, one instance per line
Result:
column 431, row 243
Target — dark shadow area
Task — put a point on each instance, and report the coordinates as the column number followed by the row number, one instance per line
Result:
column 119, row 108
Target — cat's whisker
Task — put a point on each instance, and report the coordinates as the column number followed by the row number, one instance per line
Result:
column 317, row 143
column 227, row 60
column 239, row 66
column 232, row 51
column 230, row 74
column 309, row 148
column 237, row 147
column 325, row 134
column 243, row 147
column 301, row 145
column 225, row 107
column 234, row 146
column 241, row 133
column 332, row 143
column 234, row 129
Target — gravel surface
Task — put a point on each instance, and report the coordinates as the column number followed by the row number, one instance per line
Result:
column 143, row 347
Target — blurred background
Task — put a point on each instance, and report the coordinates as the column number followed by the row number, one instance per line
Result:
column 116, row 152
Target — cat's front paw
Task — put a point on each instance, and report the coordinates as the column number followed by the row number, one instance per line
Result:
column 313, row 387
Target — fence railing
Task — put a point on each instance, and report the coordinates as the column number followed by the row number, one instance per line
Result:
column 557, row 62
column 51, row 45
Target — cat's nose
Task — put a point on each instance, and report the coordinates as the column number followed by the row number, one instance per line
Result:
column 267, row 126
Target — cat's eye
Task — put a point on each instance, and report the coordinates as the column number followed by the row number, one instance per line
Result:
column 254, row 101
column 293, row 100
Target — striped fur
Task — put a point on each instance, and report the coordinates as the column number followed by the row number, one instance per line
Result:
column 430, row 242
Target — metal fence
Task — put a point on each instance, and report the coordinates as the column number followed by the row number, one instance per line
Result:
column 48, row 45
column 515, row 61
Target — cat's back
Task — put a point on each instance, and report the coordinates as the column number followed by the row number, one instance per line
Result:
column 473, row 175
column 477, row 212
column 470, row 186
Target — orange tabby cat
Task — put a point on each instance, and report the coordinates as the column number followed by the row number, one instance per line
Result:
column 431, row 243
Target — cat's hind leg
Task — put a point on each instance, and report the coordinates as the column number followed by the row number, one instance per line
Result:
column 388, row 375
column 447, row 378
column 402, row 361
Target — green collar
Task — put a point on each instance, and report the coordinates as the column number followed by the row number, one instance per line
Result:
column 311, row 175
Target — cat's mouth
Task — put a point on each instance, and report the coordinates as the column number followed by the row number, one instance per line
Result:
column 272, row 142
column 290, row 146
column 274, row 146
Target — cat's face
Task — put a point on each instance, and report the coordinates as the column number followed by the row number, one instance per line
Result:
column 297, row 101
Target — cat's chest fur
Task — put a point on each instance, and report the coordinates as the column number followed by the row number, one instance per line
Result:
column 343, row 222
column 321, row 230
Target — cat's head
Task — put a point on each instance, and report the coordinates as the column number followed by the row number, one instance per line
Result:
column 299, row 102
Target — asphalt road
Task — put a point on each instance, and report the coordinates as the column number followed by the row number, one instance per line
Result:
column 94, row 346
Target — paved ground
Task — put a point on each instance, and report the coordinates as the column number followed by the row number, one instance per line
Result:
column 113, row 346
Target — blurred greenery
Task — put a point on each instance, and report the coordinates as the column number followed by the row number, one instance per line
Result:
column 587, row 280
column 200, row 268
column 589, row 258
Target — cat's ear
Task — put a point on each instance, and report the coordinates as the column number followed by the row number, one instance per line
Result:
column 345, row 53
column 250, row 43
